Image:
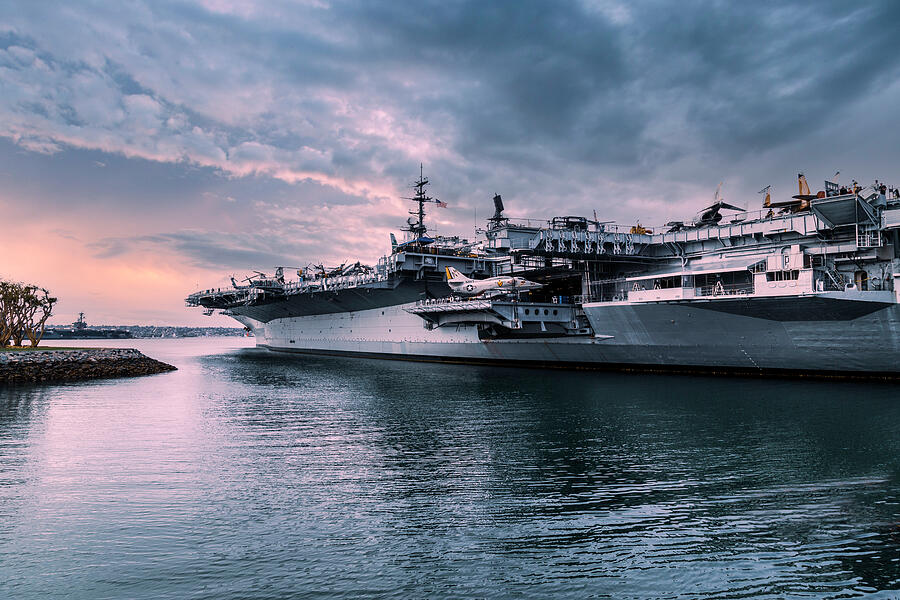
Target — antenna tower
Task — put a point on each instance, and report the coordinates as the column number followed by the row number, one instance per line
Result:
column 416, row 223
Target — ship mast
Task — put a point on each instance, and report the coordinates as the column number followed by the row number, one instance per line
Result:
column 416, row 223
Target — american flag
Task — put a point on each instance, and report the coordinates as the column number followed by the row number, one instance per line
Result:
column 441, row 204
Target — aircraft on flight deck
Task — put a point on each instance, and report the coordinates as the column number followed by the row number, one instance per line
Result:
column 460, row 284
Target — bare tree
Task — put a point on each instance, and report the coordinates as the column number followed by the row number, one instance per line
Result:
column 8, row 292
column 19, row 306
column 40, row 307
column 24, row 310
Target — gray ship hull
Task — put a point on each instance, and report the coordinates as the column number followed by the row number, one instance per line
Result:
column 713, row 338
column 809, row 285
column 851, row 340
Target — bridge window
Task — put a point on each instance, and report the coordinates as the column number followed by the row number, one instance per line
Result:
column 783, row 275
column 666, row 283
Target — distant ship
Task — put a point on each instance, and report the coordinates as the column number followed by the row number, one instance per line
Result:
column 807, row 285
column 80, row 330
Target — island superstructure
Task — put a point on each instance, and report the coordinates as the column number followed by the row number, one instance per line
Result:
column 806, row 285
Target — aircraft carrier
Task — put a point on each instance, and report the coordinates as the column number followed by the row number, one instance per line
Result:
column 81, row 331
column 807, row 285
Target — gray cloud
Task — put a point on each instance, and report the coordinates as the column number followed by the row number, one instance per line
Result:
column 203, row 249
column 327, row 108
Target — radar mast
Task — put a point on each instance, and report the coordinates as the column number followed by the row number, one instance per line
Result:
column 415, row 225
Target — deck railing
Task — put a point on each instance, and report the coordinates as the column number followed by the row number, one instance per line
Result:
column 739, row 289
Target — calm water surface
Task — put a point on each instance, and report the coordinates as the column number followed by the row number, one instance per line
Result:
column 247, row 474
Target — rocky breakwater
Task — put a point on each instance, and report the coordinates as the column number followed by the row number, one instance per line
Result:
column 35, row 366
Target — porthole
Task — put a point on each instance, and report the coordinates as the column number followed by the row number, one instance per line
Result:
column 546, row 312
column 527, row 312
column 555, row 312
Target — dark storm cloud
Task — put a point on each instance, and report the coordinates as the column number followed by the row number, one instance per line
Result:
column 545, row 80
column 551, row 103
column 208, row 250
column 754, row 75
column 533, row 81
column 539, row 64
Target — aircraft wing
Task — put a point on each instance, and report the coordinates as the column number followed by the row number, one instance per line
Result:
column 785, row 203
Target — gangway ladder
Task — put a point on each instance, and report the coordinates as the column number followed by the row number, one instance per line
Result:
column 836, row 278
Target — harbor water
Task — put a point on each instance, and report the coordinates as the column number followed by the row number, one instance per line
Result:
column 249, row 474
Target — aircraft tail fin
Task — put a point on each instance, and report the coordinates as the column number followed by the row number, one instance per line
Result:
column 454, row 275
column 804, row 187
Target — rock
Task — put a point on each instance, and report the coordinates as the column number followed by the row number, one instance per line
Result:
column 72, row 365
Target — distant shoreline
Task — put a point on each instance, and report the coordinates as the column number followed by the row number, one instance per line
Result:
column 113, row 332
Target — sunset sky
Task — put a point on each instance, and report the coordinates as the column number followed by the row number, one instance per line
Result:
column 148, row 148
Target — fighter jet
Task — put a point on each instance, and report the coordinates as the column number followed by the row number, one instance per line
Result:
column 460, row 284
column 709, row 215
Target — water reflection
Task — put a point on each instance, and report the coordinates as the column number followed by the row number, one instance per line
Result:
column 626, row 470
column 253, row 474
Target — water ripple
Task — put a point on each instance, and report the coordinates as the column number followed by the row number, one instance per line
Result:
column 253, row 475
